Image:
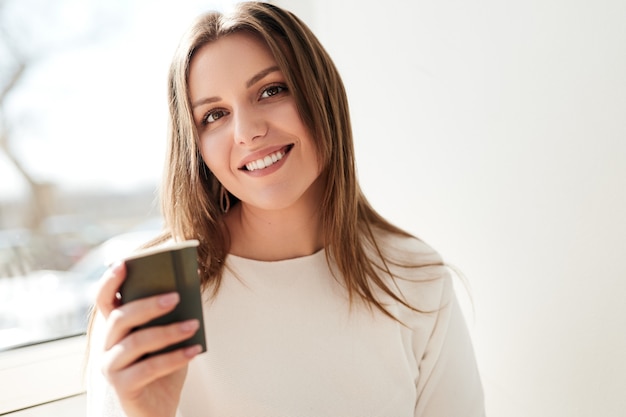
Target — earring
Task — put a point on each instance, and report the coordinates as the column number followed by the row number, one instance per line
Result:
column 224, row 199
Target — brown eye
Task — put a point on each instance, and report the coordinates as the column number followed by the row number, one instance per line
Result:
column 273, row 90
column 214, row 116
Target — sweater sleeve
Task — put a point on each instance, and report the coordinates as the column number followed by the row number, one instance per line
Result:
column 449, row 382
column 101, row 400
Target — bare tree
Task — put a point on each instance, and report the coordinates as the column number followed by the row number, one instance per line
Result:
column 24, row 43
column 11, row 81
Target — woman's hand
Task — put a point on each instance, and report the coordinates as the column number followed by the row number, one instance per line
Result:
column 152, row 386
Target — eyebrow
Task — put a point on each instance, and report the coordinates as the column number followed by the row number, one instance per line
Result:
column 253, row 80
column 260, row 75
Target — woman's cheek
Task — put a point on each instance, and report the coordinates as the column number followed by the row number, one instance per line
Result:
column 215, row 151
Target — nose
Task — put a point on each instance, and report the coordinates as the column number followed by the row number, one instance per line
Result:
column 249, row 125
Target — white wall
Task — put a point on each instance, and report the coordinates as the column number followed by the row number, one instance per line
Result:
column 496, row 131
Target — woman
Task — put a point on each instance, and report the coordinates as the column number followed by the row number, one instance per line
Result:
column 314, row 305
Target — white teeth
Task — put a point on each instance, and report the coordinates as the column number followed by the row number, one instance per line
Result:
column 265, row 162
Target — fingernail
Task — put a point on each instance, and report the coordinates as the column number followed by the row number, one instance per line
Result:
column 189, row 325
column 192, row 351
column 169, row 299
column 116, row 267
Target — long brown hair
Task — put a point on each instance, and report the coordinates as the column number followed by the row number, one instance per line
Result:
column 191, row 194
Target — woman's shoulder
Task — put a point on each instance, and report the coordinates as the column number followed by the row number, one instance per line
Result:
column 406, row 250
column 414, row 271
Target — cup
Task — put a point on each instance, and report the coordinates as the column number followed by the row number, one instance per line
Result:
column 168, row 268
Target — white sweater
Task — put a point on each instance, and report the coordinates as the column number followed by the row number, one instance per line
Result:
column 283, row 341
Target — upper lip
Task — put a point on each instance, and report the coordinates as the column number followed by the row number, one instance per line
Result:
column 262, row 153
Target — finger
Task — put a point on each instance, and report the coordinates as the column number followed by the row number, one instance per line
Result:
column 141, row 374
column 108, row 286
column 145, row 341
column 124, row 318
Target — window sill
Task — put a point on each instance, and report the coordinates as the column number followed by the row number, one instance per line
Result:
column 67, row 407
column 41, row 373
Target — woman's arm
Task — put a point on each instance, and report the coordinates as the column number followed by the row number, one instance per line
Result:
column 449, row 384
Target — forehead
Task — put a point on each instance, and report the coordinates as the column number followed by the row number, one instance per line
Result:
column 230, row 60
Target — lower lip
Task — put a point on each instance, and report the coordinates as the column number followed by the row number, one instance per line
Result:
column 270, row 169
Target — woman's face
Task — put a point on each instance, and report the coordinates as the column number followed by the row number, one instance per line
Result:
column 251, row 135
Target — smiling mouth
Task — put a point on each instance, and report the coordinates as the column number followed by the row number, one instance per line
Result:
column 267, row 161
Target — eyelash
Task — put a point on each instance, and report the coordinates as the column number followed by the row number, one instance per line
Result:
column 282, row 88
column 205, row 119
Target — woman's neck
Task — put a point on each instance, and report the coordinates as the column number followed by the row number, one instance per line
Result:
column 272, row 235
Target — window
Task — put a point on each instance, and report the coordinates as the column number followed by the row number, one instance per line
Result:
column 83, row 117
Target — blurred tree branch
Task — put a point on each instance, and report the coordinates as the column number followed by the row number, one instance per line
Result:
column 13, row 80
column 32, row 31
column 37, row 206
